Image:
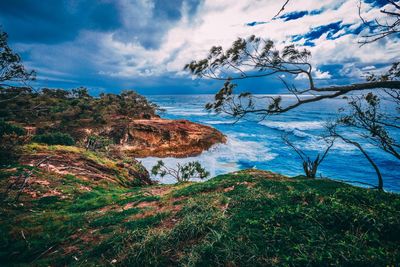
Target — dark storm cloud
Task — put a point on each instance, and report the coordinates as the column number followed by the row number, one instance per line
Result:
column 147, row 22
column 55, row 21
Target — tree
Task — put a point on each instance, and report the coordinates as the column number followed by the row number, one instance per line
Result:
column 182, row 173
column 332, row 128
column 378, row 29
column 310, row 166
column 12, row 71
column 254, row 58
column 374, row 125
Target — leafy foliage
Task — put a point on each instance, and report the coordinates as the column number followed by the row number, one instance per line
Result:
column 11, row 137
column 58, row 109
column 12, row 71
column 98, row 143
column 55, row 138
column 182, row 173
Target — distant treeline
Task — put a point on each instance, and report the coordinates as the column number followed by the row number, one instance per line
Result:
column 59, row 108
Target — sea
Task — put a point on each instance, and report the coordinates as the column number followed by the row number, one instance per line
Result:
column 255, row 142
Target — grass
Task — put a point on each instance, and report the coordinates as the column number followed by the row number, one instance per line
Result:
column 250, row 218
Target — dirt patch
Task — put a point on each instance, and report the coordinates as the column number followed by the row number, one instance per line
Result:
column 228, row 189
column 84, row 188
column 159, row 191
column 147, row 204
column 42, row 182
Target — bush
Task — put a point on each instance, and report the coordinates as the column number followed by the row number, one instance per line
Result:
column 8, row 128
column 55, row 138
column 11, row 137
column 98, row 143
column 182, row 173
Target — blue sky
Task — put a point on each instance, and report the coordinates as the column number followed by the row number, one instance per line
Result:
column 111, row 45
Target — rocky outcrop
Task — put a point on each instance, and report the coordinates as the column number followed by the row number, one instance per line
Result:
column 87, row 165
column 161, row 137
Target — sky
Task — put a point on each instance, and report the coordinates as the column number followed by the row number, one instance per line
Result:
column 143, row 45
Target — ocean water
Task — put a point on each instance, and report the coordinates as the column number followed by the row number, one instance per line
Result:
column 258, row 144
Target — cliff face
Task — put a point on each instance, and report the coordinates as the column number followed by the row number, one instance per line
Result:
column 161, row 137
column 90, row 166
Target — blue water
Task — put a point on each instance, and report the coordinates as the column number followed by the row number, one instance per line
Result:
column 259, row 144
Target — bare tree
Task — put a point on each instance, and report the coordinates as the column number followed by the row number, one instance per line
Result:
column 310, row 166
column 332, row 128
column 381, row 28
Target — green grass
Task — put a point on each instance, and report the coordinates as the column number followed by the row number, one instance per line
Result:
column 244, row 219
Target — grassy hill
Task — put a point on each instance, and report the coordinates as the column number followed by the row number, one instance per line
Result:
column 248, row 218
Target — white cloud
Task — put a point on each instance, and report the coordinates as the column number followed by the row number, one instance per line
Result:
column 221, row 22
column 322, row 75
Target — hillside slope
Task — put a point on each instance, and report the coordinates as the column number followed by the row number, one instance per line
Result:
column 248, row 218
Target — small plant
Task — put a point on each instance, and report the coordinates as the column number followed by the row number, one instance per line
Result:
column 56, row 138
column 310, row 166
column 96, row 143
column 182, row 173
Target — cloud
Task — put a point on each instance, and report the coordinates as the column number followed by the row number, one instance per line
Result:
column 320, row 75
column 145, row 43
column 294, row 15
column 255, row 23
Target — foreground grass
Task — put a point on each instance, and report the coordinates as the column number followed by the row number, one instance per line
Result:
column 250, row 218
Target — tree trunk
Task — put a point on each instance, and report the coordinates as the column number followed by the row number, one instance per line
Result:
column 378, row 173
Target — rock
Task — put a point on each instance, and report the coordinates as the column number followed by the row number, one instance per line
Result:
column 161, row 137
column 88, row 166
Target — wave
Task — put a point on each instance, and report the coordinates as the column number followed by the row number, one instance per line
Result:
column 221, row 158
column 187, row 112
column 293, row 125
column 215, row 122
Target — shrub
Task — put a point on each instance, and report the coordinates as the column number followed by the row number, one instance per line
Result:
column 8, row 128
column 11, row 137
column 182, row 173
column 55, row 138
column 98, row 143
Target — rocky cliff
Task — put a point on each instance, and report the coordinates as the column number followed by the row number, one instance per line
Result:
column 160, row 137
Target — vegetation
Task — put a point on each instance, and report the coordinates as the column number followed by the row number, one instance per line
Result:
column 12, row 71
column 182, row 173
column 61, row 110
column 11, row 137
column 98, row 143
column 255, row 57
column 310, row 166
column 55, row 138
column 249, row 218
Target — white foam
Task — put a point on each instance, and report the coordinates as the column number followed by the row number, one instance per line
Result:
column 221, row 158
column 293, row 125
column 216, row 122
column 186, row 112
